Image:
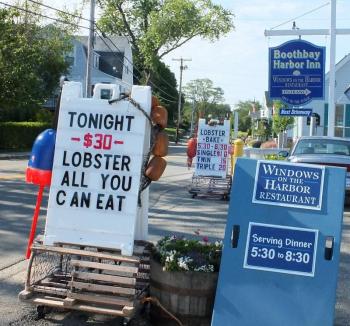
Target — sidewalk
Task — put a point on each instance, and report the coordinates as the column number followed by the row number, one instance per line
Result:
column 14, row 155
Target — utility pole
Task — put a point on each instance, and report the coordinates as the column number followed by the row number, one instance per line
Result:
column 182, row 67
column 192, row 117
column 90, row 53
column 333, row 32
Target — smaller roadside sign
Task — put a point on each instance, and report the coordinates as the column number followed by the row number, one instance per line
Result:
column 288, row 184
column 291, row 112
column 282, row 249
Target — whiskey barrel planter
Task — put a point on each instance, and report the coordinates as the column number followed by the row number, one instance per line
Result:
column 188, row 295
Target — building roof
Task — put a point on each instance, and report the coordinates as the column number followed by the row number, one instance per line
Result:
column 114, row 43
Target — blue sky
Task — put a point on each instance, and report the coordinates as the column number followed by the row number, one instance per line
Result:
column 238, row 63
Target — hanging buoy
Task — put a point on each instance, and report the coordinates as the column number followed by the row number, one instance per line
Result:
column 192, row 147
column 155, row 101
column 161, row 144
column 155, row 168
column 159, row 116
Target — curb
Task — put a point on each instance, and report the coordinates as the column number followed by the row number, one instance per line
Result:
column 14, row 156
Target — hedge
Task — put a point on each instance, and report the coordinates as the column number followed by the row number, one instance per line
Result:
column 20, row 135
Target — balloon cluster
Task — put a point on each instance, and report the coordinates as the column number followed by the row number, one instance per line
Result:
column 157, row 164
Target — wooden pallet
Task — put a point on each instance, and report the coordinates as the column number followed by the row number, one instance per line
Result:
column 95, row 280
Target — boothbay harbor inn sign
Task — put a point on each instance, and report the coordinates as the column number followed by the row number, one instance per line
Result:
column 296, row 72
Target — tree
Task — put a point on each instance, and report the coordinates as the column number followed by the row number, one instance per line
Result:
column 157, row 27
column 245, row 117
column 31, row 62
column 206, row 96
column 166, row 89
column 280, row 124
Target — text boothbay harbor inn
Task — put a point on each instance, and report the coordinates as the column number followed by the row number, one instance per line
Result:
column 296, row 72
column 285, row 184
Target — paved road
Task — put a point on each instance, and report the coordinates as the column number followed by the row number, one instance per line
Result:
column 172, row 210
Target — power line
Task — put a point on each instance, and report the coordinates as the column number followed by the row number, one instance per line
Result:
column 59, row 10
column 152, row 83
column 104, row 35
column 41, row 15
column 101, row 36
column 113, row 52
column 304, row 14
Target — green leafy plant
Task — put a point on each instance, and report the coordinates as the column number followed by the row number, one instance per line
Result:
column 181, row 254
column 274, row 157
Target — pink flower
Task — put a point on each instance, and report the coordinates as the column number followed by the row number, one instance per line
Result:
column 205, row 239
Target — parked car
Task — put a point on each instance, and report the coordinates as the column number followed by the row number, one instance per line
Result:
column 332, row 151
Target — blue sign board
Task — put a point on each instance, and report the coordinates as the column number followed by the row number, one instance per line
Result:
column 296, row 72
column 291, row 112
column 279, row 264
column 289, row 184
column 278, row 248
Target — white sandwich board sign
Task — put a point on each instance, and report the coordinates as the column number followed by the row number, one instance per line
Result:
column 99, row 153
column 212, row 149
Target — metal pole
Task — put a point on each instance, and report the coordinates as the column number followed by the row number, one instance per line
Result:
column 235, row 124
column 192, row 117
column 179, row 104
column 182, row 67
column 90, row 54
column 331, row 99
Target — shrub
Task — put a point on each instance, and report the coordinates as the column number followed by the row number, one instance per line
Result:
column 180, row 254
column 274, row 157
column 20, row 135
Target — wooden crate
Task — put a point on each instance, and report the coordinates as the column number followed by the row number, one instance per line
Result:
column 90, row 279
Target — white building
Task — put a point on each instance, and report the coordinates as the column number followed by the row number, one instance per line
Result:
column 342, row 111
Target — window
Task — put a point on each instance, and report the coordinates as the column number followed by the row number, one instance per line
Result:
column 342, row 120
column 106, row 94
column 322, row 146
column 70, row 57
column 96, row 60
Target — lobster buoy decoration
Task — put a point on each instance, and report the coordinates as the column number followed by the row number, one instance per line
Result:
column 157, row 164
column 155, row 101
column 161, row 144
column 39, row 172
column 155, row 168
column 39, row 169
column 159, row 116
column 191, row 150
